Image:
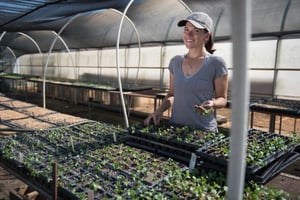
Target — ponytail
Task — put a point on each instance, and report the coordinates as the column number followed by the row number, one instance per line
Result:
column 209, row 45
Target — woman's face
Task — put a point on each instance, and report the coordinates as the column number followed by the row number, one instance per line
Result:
column 194, row 37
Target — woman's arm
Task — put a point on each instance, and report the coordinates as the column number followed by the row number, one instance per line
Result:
column 220, row 101
column 166, row 104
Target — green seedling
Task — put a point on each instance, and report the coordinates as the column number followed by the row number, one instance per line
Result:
column 201, row 110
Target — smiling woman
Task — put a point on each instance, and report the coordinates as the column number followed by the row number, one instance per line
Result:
column 198, row 79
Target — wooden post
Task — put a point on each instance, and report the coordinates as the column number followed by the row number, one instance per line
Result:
column 54, row 177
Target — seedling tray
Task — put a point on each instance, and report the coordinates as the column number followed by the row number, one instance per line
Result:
column 163, row 149
column 183, row 137
column 264, row 174
column 176, row 142
column 84, row 136
column 263, row 148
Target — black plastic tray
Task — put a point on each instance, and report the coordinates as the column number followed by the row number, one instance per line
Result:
column 176, row 153
column 213, row 154
column 184, row 137
column 263, row 175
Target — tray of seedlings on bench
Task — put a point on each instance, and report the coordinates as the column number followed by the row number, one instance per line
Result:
column 170, row 140
column 185, row 137
column 110, row 170
column 265, row 151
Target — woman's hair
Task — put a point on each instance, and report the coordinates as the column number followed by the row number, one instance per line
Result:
column 210, row 44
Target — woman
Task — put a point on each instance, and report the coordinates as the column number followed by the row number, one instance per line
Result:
column 198, row 79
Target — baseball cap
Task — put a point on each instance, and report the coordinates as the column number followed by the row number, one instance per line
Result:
column 200, row 20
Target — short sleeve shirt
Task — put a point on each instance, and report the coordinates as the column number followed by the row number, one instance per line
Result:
column 194, row 90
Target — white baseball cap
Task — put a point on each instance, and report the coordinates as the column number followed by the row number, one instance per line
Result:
column 200, row 20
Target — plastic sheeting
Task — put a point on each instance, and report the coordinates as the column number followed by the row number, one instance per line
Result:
column 155, row 20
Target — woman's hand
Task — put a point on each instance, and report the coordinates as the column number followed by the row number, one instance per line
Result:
column 205, row 108
column 209, row 104
column 155, row 117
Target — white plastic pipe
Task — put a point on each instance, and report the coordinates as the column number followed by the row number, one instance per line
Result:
column 49, row 53
column 118, row 65
column 2, row 35
column 185, row 6
column 240, row 19
column 16, row 69
column 32, row 40
column 35, row 44
column 10, row 50
column 68, row 49
column 138, row 39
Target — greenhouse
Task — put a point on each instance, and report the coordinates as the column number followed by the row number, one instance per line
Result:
column 79, row 77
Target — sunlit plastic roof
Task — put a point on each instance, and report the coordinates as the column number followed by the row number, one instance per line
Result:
column 30, row 26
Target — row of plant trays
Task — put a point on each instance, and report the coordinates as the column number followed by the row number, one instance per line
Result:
column 93, row 157
column 267, row 153
column 89, row 158
column 177, row 142
column 78, row 177
column 31, row 154
column 113, row 170
column 75, row 83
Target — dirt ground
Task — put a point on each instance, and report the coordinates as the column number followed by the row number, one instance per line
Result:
column 288, row 180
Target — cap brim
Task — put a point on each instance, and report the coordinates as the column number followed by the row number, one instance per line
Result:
column 181, row 23
column 196, row 24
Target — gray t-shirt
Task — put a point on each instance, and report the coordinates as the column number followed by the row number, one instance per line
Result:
column 193, row 90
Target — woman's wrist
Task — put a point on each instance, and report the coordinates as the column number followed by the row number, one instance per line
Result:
column 213, row 104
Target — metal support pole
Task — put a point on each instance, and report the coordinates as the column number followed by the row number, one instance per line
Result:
column 240, row 20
